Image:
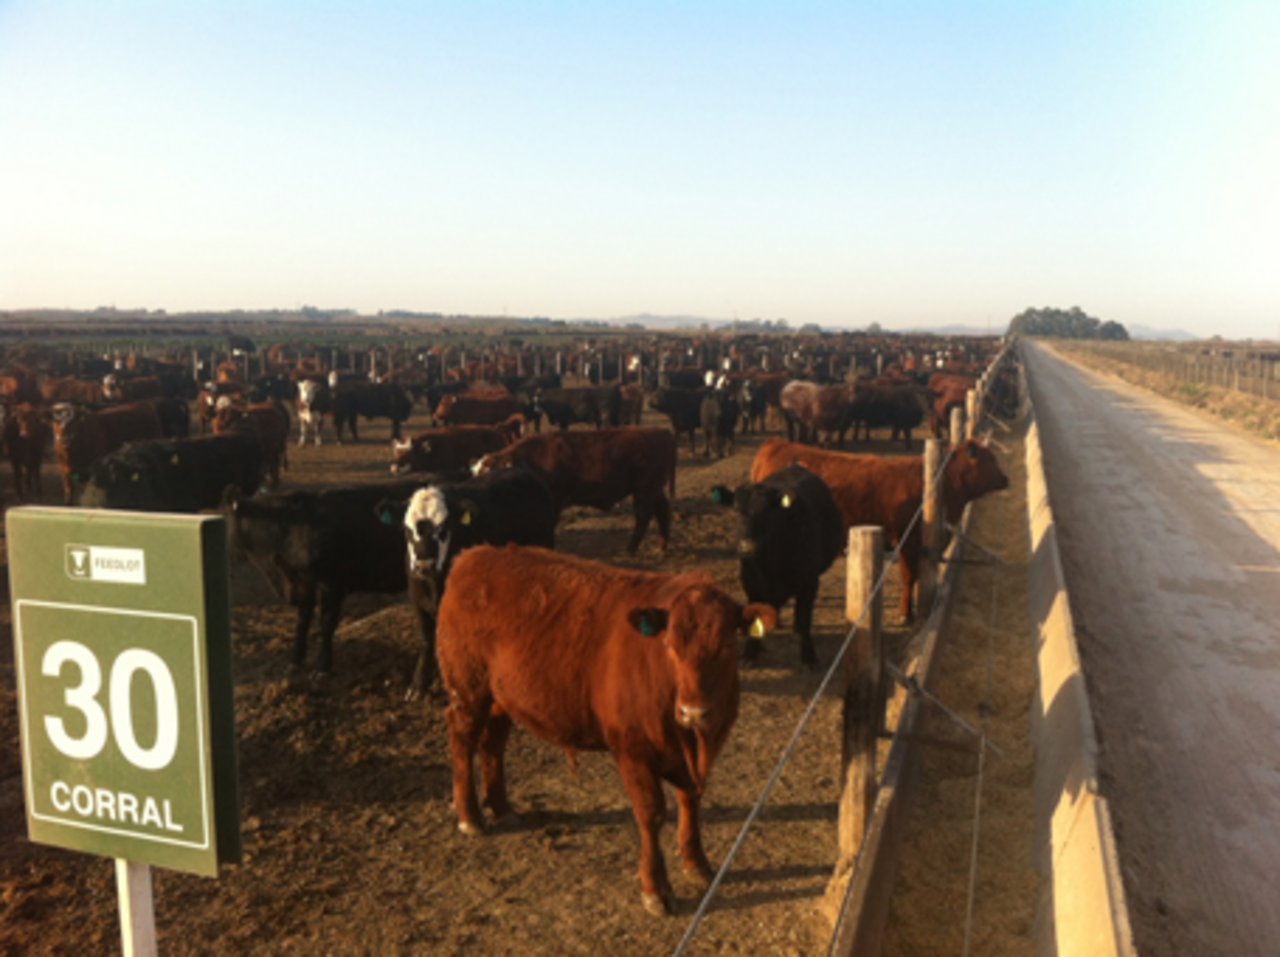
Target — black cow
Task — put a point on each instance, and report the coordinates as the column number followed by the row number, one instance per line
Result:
column 594, row 405
column 790, row 533
column 719, row 416
column 898, row 405
column 326, row 545
column 371, row 400
column 443, row 519
column 175, row 475
column 754, row 406
column 684, row 408
column 175, row 417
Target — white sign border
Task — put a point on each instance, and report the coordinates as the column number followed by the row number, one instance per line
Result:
column 28, row 772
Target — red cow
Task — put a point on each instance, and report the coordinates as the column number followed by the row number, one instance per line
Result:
column 81, row 438
column 269, row 421
column 19, row 384
column 119, row 389
column 477, row 409
column 600, row 468
column 446, row 450
column 877, row 490
column 72, row 390
column 947, row 392
column 592, row 658
column 26, row 435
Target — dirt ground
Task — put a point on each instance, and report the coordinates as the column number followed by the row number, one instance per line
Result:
column 350, row 843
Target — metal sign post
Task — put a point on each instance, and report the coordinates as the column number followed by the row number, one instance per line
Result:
column 121, row 624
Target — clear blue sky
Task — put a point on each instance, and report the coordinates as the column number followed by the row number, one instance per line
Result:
column 840, row 163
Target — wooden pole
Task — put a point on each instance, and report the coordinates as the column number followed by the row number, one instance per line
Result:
column 137, row 912
column 957, row 426
column 971, row 412
column 863, row 693
column 931, row 527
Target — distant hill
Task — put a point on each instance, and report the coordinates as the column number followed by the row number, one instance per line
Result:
column 1164, row 335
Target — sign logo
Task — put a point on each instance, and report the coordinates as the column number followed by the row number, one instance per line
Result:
column 121, row 566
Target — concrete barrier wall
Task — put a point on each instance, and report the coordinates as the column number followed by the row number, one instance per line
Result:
column 1082, row 910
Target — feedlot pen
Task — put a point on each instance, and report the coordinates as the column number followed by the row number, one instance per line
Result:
column 351, row 844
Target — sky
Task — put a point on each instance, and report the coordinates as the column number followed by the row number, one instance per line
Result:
column 904, row 163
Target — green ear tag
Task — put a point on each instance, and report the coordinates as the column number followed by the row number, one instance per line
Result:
column 646, row 628
column 385, row 517
column 715, row 495
column 757, row 629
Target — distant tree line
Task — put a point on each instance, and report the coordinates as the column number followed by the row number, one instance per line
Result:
column 1073, row 323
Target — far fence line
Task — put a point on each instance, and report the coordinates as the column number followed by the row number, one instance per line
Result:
column 1243, row 371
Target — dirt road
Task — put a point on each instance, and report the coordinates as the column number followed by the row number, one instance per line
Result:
column 1169, row 525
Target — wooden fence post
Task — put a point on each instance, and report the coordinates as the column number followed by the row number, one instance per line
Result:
column 971, row 412
column 863, row 691
column 957, row 426
column 930, row 528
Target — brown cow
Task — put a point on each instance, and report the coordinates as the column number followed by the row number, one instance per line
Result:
column 80, row 438
column 600, row 468
column 477, row 408
column 887, row 491
column 632, row 404
column 446, row 450
column 117, row 388
column 268, row 421
column 946, row 392
column 592, row 658
column 26, row 435
column 18, row 384
column 69, row 389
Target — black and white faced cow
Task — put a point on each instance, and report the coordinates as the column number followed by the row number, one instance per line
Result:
column 443, row 519
column 790, row 532
column 314, row 402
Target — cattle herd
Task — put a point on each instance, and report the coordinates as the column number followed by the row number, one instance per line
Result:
column 587, row 656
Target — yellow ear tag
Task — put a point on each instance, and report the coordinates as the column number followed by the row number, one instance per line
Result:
column 466, row 518
column 757, row 629
column 786, row 503
column 174, row 460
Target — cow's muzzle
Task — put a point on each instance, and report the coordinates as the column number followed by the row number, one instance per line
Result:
column 691, row 716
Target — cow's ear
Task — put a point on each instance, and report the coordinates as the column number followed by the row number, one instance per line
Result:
column 758, row 619
column 648, row 621
column 468, row 512
column 386, row 510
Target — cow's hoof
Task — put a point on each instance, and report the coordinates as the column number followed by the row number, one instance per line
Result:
column 656, row 904
column 699, row 870
column 469, row 829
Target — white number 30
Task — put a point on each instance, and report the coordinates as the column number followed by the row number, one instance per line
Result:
column 84, row 698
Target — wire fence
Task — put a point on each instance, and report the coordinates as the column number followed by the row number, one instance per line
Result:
column 1250, row 372
column 835, row 667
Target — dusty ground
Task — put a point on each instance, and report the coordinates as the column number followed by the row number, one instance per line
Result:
column 1170, row 542
column 351, row 845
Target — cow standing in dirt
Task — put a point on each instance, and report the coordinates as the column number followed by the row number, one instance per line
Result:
column 592, row 658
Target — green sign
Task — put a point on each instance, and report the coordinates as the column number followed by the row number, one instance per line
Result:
column 121, row 626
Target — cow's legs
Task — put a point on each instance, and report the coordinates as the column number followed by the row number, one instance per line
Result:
column 493, row 744
column 806, row 594
column 662, row 509
column 690, row 839
column 643, row 508
column 330, row 612
column 649, row 808
column 424, row 671
column 466, row 721
column 305, row 603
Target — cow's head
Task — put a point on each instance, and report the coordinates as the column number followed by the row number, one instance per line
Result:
column 698, row 625
column 402, row 454
column 426, row 529
column 971, row 472
column 768, row 517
